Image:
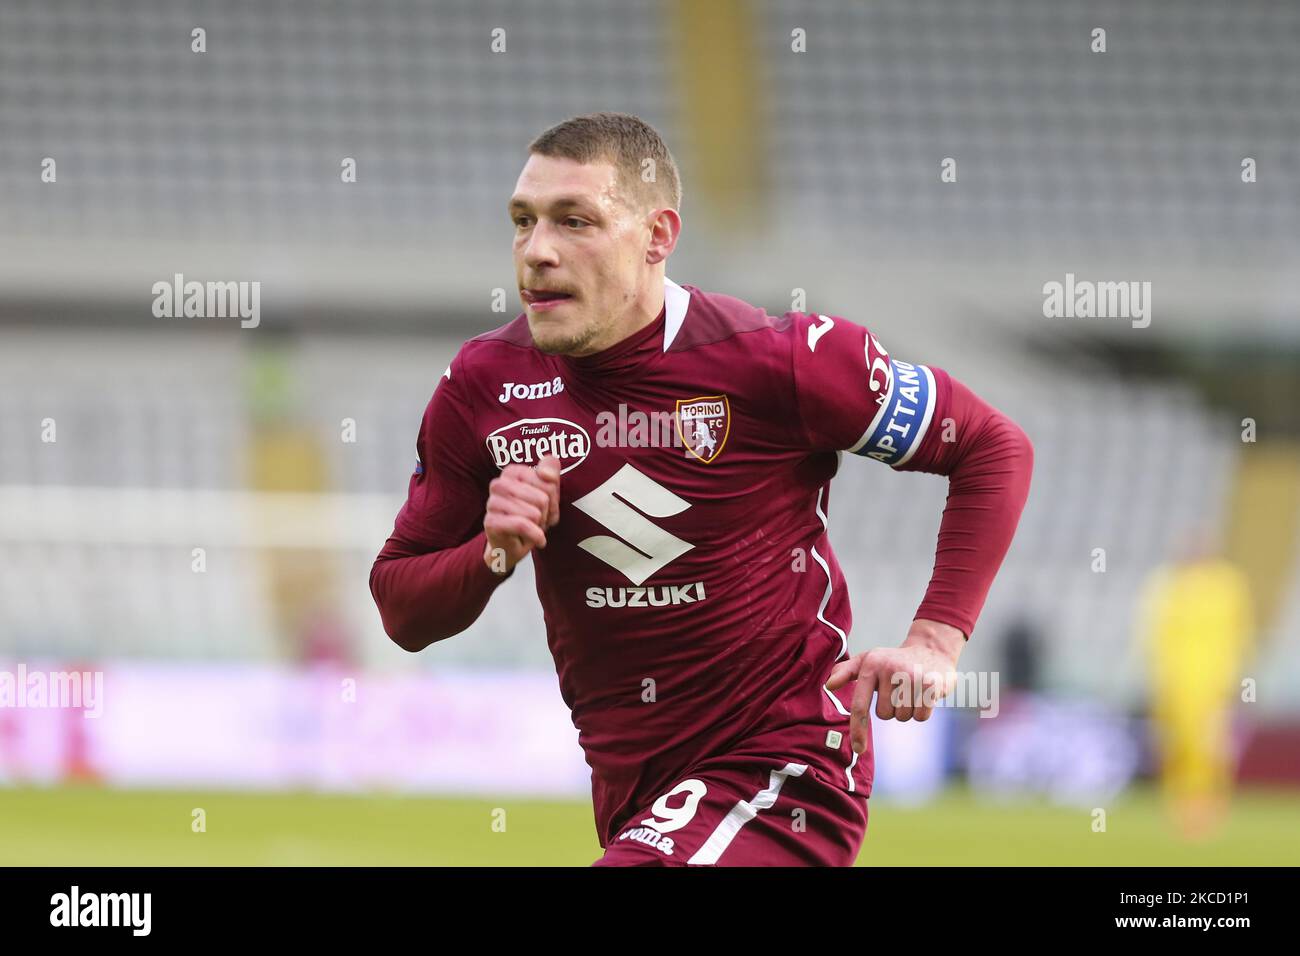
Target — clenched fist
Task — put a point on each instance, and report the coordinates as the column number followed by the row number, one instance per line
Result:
column 522, row 503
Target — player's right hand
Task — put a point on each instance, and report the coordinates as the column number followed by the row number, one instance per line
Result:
column 522, row 503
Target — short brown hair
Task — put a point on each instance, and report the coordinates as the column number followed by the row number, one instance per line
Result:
column 622, row 140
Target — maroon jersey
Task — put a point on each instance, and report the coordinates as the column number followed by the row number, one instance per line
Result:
column 691, row 596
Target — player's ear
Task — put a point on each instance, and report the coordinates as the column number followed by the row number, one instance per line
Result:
column 665, row 229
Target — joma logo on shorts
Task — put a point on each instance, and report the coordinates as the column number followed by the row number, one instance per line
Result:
column 650, row 838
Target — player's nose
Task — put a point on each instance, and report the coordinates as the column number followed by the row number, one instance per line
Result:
column 539, row 248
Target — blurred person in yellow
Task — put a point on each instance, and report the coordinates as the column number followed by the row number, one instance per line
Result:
column 1196, row 624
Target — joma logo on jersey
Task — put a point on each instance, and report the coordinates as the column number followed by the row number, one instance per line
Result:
column 703, row 424
column 511, row 390
column 525, row 442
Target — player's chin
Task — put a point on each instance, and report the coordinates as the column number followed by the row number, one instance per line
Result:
column 556, row 335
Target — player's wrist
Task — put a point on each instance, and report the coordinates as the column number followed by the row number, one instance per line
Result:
column 497, row 560
column 936, row 636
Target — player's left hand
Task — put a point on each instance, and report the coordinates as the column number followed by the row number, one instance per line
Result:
column 907, row 681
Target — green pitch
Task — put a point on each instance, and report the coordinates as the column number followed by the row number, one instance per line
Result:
column 69, row 826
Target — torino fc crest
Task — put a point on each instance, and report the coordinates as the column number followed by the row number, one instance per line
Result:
column 702, row 425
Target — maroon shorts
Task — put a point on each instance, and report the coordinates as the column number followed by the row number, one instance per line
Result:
column 743, row 810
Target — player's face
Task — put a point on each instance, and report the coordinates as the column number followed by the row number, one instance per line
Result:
column 580, row 254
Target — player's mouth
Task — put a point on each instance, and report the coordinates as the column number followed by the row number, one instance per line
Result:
column 544, row 300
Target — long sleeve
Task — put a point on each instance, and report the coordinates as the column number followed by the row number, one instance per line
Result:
column 988, row 460
column 423, row 598
column 429, row 580
column 853, row 396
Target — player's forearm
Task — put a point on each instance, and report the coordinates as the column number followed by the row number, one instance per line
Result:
column 989, row 468
column 426, row 598
column 941, row 638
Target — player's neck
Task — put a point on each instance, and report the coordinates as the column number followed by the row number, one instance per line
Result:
column 637, row 344
column 646, row 313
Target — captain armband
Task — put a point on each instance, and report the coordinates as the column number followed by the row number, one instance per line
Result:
column 905, row 408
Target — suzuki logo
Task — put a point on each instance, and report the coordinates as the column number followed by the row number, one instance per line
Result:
column 620, row 504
